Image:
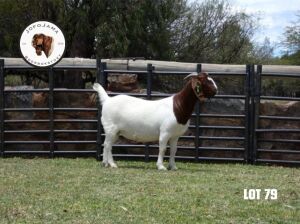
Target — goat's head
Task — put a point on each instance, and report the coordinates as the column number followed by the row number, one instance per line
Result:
column 41, row 42
column 37, row 43
column 202, row 85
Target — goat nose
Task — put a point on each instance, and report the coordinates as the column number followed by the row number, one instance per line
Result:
column 216, row 91
column 213, row 93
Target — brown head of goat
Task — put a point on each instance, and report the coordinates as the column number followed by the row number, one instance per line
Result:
column 199, row 87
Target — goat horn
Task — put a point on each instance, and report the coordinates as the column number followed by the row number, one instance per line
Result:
column 191, row 75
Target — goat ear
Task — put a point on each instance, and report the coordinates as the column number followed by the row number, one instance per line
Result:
column 197, row 87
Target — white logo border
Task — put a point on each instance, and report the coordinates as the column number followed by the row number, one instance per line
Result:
column 46, row 64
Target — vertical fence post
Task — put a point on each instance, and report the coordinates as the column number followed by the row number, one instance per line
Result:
column 149, row 80
column 150, row 69
column 197, row 122
column 100, row 78
column 51, row 110
column 257, row 93
column 2, row 105
column 252, row 111
column 103, row 74
column 249, row 113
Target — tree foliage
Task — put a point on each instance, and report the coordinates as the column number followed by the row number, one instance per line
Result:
column 262, row 53
column 209, row 32
column 213, row 33
column 292, row 43
column 138, row 29
column 292, row 35
column 157, row 29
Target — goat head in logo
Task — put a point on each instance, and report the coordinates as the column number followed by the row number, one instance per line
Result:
column 41, row 42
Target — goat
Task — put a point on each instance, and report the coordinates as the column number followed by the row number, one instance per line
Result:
column 41, row 42
column 142, row 120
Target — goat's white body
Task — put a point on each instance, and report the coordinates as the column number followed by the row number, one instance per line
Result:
column 139, row 120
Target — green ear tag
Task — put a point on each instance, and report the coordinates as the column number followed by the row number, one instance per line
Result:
column 198, row 89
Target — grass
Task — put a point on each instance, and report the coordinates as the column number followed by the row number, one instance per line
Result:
column 81, row 191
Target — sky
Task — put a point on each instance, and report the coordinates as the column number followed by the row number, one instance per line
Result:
column 274, row 16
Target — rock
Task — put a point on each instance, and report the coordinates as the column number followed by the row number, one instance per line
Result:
column 123, row 83
column 225, row 106
column 69, row 100
column 286, row 109
column 289, row 109
column 61, row 100
column 18, row 100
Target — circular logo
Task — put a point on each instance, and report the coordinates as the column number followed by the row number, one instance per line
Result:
column 42, row 44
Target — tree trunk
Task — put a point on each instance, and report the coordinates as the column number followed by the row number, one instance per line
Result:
column 82, row 46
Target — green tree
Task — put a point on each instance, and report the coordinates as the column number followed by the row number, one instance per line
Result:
column 158, row 29
column 287, row 86
column 138, row 28
column 262, row 53
column 292, row 43
column 292, row 35
column 213, row 33
column 107, row 28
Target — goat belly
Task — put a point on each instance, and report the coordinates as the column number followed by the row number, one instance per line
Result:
column 139, row 125
column 140, row 135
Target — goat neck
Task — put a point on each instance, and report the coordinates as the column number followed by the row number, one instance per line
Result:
column 184, row 103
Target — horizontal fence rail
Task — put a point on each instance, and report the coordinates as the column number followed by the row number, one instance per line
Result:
column 51, row 135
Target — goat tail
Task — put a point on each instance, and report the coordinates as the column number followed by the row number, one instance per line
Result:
column 101, row 92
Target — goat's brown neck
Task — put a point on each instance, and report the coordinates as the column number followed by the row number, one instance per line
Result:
column 184, row 103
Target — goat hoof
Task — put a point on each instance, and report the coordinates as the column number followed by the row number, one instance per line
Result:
column 161, row 167
column 113, row 165
column 105, row 164
column 174, row 168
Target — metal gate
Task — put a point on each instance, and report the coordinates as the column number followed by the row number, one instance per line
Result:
column 249, row 152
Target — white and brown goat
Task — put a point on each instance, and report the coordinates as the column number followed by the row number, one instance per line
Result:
column 141, row 120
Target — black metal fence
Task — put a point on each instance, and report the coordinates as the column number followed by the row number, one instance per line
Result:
column 249, row 134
